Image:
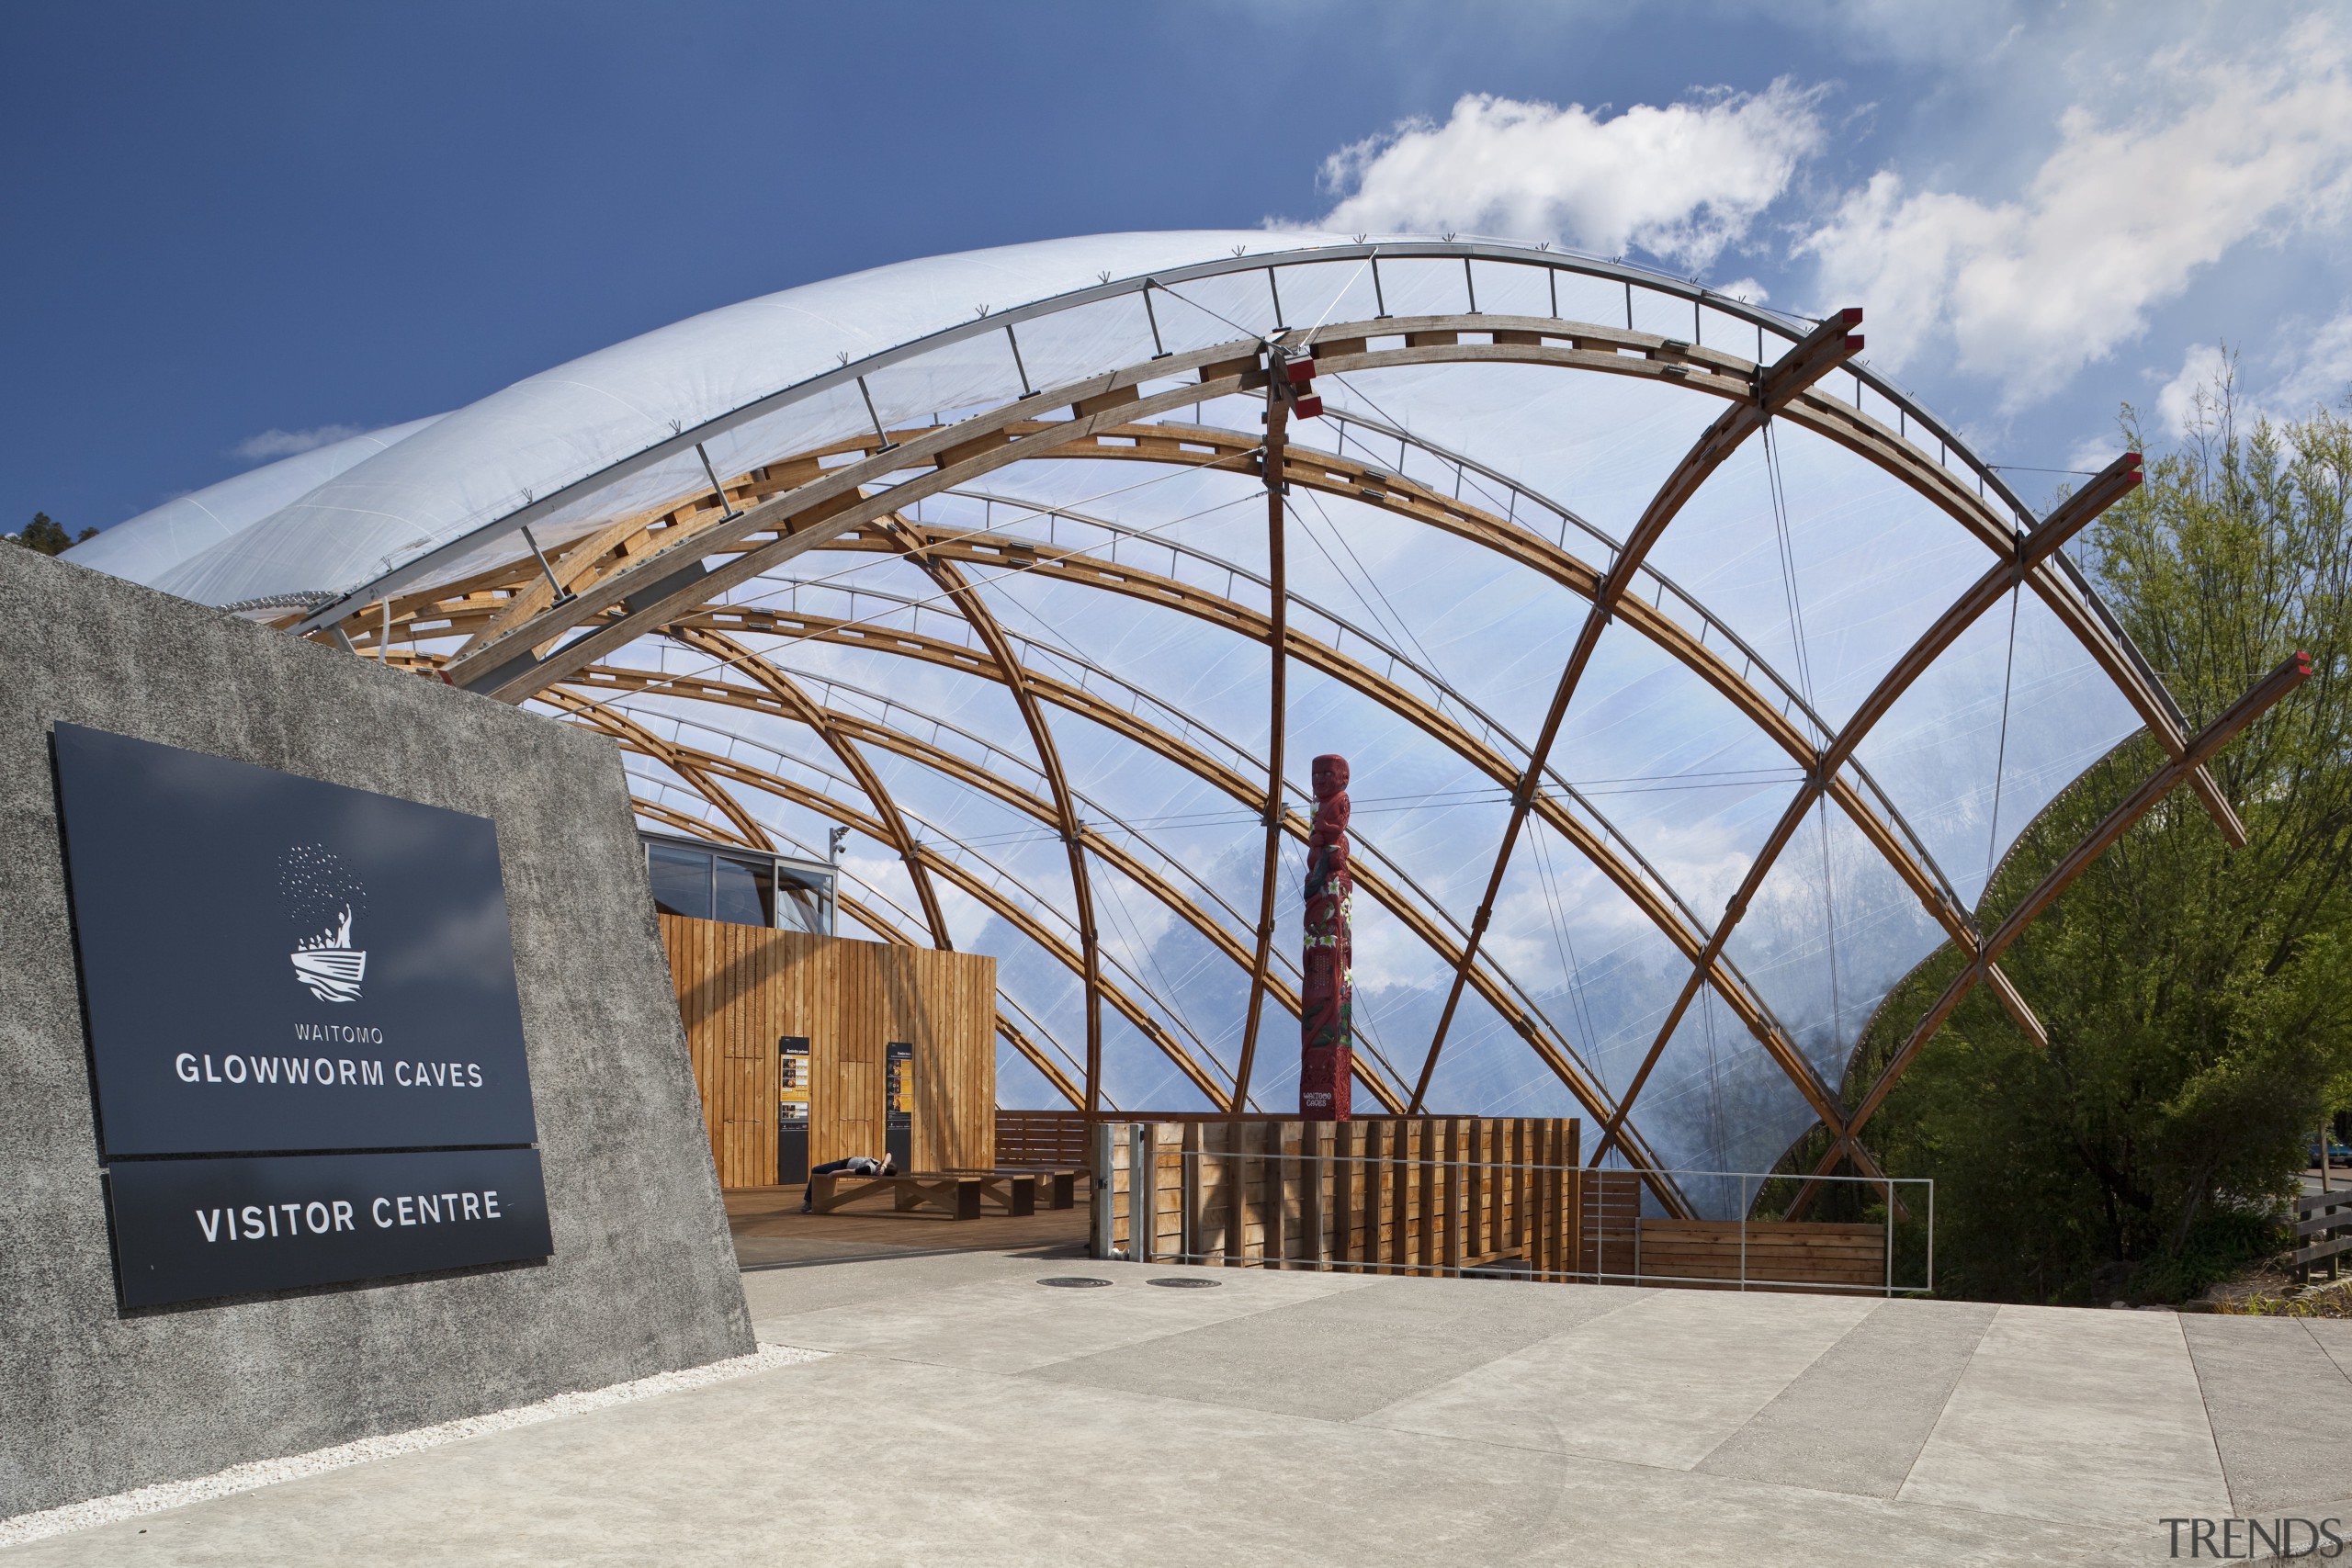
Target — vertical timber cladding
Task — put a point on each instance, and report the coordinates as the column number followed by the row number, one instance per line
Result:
column 313, row 978
column 743, row 989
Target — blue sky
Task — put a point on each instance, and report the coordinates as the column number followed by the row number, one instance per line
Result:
column 232, row 228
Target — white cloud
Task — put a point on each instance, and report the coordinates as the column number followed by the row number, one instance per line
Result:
column 271, row 444
column 2318, row 373
column 2091, row 454
column 1681, row 182
column 2117, row 220
column 2314, row 371
column 2180, row 402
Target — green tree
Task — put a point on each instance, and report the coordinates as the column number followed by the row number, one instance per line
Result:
column 47, row 534
column 2197, row 1000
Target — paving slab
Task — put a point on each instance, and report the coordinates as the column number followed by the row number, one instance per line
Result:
column 2076, row 1416
column 1012, row 1324
column 1141, row 1424
column 2281, row 1409
column 1662, row 1385
column 1343, row 1355
column 859, row 1460
column 2334, row 1337
column 1856, row 1419
column 805, row 1285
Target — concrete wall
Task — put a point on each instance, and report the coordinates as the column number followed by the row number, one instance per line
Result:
column 643, row 1279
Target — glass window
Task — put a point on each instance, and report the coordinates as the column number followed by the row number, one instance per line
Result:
column 804, row 901
column 681, row 880
column 745, row 891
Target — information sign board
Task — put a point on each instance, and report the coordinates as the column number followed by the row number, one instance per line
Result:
column 313, row 986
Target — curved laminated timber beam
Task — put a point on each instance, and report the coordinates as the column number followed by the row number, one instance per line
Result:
column 1219, row 448
column 634, row 736
column 1644, row 885
column 654, row 746
column 797, row 703
column 1049, row 1070
column 1818, row 353
column 1041, row 736
column 2004, row 578
column 854, row 731
column 1523, row 1018
column 2201, row 748
column 1643, row 888
column 798, row 503
column 1356, row 482
column 1646, row 892
column 1277, row 729
column 645, row 573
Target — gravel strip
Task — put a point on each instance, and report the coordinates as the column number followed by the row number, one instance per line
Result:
column 270, row 1472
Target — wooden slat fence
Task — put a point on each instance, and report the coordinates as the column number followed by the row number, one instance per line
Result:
column 1041, row 1140
column 1387, row 1195
column 1768, row 1254
column 2325, row 1219
column 1610, row 1226
column 1437, row 1195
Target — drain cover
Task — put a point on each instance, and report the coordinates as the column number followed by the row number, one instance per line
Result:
column 1186, row 1282
column 1073, row 1282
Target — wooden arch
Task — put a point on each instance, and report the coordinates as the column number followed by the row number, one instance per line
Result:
column 642, row 574
column 633, row 735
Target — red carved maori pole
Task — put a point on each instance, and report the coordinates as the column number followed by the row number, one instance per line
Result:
column 1327, row 1054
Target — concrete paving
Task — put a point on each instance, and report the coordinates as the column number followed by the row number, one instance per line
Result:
column 2065, row 1413
column 967, row 1415
column 1856, row 1419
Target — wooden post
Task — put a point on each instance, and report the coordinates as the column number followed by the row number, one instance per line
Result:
column 1244, row 1201
column 1188, row 1196
column 1555, row 1200
column 1515, row 1221
column 1326, row 1169
column 1424, row 1197
column 1346, row 1190
column 1454, row 1205
column 1490, row 1198
column 1388, row 1206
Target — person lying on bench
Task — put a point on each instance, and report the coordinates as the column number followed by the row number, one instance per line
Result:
column 856, row 1165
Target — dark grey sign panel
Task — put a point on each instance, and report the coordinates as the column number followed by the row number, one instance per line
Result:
column 187, row 1229
column 273, row 964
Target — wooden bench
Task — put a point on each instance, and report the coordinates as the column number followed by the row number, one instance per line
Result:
column 1057, row 1188
column 957, row 1193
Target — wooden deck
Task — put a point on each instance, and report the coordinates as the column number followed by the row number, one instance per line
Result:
column 771, row 1231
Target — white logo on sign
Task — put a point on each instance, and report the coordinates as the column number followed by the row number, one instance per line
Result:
column 321, row 896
